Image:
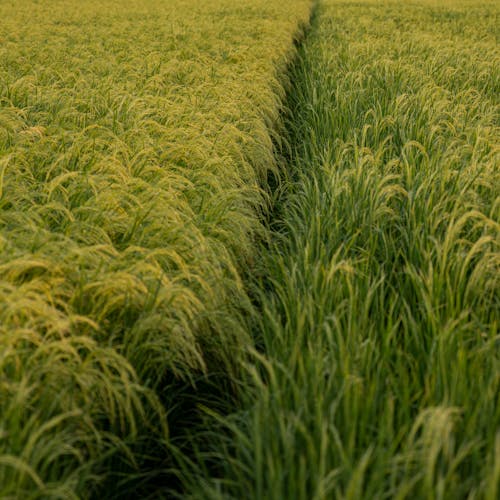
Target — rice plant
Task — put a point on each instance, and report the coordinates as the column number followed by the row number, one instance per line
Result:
column 135, row 137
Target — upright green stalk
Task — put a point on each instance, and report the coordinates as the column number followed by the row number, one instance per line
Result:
column 380, row 376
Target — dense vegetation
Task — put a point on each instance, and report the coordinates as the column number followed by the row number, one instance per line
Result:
column 162, row 333
column 380, row 376
column 134, row 138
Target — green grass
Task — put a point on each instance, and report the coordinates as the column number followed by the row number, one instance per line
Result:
column 138, row 144
column 378, row 371
column 135, row 136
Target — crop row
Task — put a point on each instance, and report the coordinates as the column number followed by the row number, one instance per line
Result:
column 135, row 137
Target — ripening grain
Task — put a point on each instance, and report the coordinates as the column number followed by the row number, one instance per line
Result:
column 134, row 138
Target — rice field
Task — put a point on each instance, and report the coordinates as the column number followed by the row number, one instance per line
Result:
column 135, row 141
column 246, row 253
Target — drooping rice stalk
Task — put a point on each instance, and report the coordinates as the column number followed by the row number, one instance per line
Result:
column 134, row 140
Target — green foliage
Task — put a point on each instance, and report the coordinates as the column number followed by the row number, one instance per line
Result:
column 134, row 138
column 380, row 376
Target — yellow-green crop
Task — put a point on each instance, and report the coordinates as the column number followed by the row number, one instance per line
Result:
column 134, row 139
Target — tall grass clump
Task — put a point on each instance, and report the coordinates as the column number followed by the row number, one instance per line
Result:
column 134, row 139
column 378, row 369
